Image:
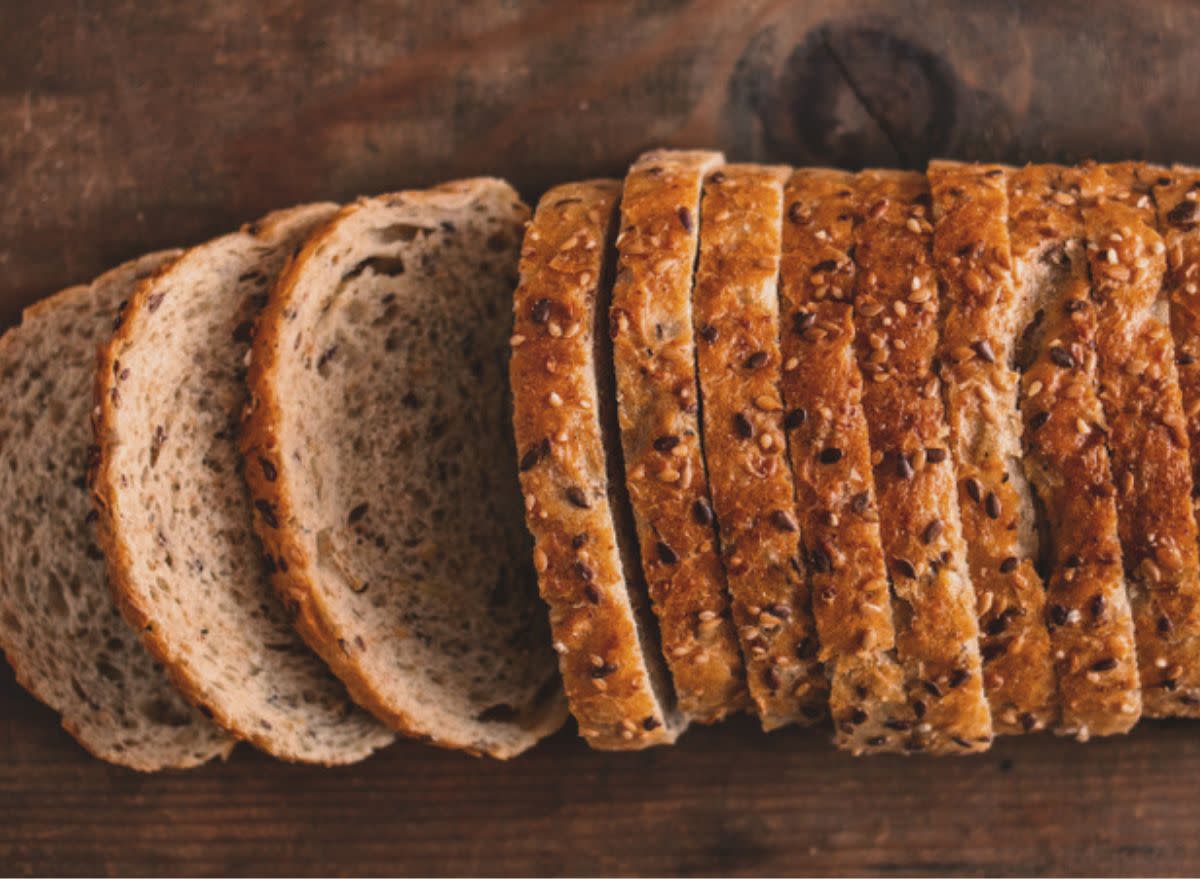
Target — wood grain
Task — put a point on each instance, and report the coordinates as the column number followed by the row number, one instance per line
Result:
column 126, row 125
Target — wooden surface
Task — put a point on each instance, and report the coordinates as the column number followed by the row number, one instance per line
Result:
column 126, row 126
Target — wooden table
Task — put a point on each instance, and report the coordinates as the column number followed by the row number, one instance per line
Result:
column 126, row 126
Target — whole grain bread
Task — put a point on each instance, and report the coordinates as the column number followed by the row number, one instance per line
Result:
column 1066, row 457
column 654, row 356
column 59, row 625
column 378, row 446
column 830, row 453
column 981, row 313
column 564, row 418
column 175, row 513
column 736, row 315
column 896, row 318
column 1147, row 432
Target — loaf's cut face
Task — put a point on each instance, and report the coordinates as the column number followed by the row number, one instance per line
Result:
column 176, row 512
column 59, row 627
column 380, row 453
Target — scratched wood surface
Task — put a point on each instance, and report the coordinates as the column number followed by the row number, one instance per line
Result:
column 125, row 126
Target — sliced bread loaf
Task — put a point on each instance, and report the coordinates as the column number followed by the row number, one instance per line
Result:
column 736, row 315
column 981, row 313
column 896, row 318
column 1066, row 457
column 175, row 512
column 654, row 356
column 830, row 453
column 59, row 626
column 1147, row 432
column 564, row 417
column 378, row 448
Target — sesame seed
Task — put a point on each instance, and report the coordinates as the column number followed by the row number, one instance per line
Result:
column 757, row 360
column 1062, row 357
column 766, row 441
column 912, row 226
column 578, row 497
column 555, row 399
column 782, row 520
column 984, row 350
column 1039, row 420
column 517, row 340
column 803, row 320
column 904, row 568
column 540, row 561
column 1106, row 664
column 992, row 505
column 932, row 531
column 702, row 512
column 1009, row 565
column 742, row 426
column 666, row 443
column 666, row 555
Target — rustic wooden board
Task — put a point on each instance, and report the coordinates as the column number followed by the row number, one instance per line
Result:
column 125, row 126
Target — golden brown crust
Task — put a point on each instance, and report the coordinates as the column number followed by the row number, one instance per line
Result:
column 736, row 314
column 896, row 317
column 657, row 396
column 1066, row 457
column 831, row 461
column 562, row 449
column 980, row 310
column 1148, row 440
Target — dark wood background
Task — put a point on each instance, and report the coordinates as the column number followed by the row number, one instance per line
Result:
column 125, row 126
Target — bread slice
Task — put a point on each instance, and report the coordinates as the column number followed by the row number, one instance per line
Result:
column 378, row 446
column 59, row 626
column 564, row 418
column 175, row 512
column 830, row 453
column 1176, row 194
column 896, row 318
column 981, row 312
column 654, row 356
column 1066, row 457
column 1147, row 432
column 736, row 314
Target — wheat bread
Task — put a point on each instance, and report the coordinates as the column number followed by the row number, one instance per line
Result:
column 1066, row 457
column 829, row 449
column 654, row 357
column 980, row 317
column 1147, row 432
column 175, row 513
column 378, row 446
column 564, row 418
column 59, row 626
column 735, row 307
column 896, row 322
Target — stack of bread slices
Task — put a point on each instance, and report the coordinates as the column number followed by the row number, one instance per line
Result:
column 914, row 455
column 905, row 455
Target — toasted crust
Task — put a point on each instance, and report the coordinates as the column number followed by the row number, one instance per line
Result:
column 654, row 356
column 822, row 391
column 592, row 590
column 1066, row 457
column 736, row 315
column 1148, row 439
column 896, row 317
column 295, row 579
column 981, row 313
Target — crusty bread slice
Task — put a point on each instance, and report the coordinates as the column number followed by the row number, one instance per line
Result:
column 830, row 452
column 981, row 313
column 896, row 318
column 175, row 513
column 378, row 449
column 736, row 314
column 654, row 357
column 1066, row 457
column 564, row 417
column 1147, row 432
column 59, row 626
